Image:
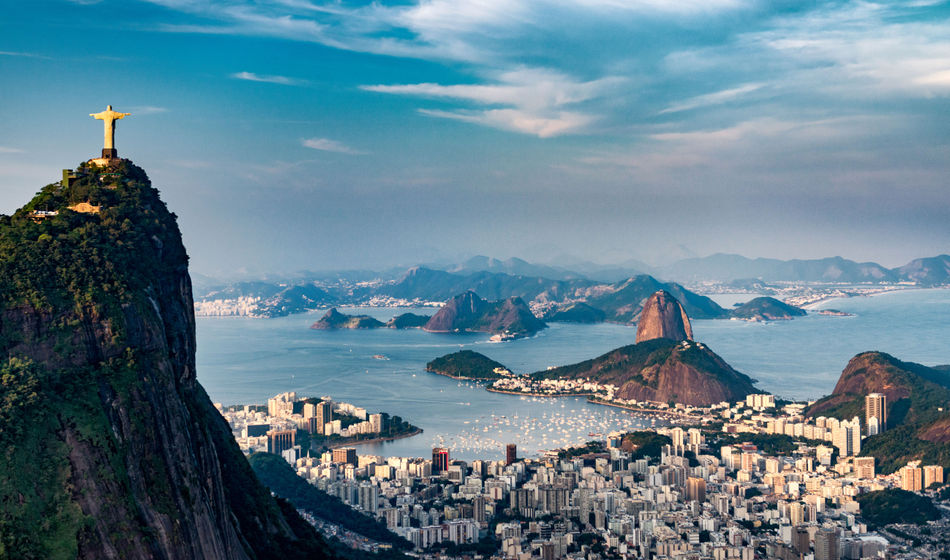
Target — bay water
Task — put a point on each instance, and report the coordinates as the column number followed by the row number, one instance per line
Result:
column 246, row 361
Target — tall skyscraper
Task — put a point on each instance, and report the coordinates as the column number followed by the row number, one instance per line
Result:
column 440, row 459
column 826, row 544
column 696, row 489
column 875, row 407
column 800, row 540
column 911, row 477
column 511, row 453
column 322, row 415
column 847, row 437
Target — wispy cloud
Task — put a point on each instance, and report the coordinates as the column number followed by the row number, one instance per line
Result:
column 714, row 98
column 862, row 49
column 327, row 145
column 9, row 150
column 531, row 100
column 270, row 79
column 23, row 54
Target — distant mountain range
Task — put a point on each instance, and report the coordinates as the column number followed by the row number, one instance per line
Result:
column 725, row 267
column 552, row 291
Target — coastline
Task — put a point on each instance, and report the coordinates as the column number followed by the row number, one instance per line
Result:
column 336, row 445
column 461, row 378
column 591, row 398
column 643, row 410
column 548, row 395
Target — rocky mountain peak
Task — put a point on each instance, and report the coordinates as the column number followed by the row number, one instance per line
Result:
column 663, row 317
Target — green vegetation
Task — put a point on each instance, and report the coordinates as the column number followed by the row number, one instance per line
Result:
column 916, row 424
column 766, row 308
column 333, row 319
column 280, row 477
column 408, row 321
column 644, row 444
column 465, row 364
column 393, row 427
column 897, row 506
column 577, row 313
column 589, row 447
column 617, row 364
column 101, row 302
column 894, row 448
column 768, row 444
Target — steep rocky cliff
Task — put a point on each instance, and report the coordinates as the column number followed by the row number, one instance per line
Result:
column 109, row 447
column 468, row 312
column 662, row 370
column 624, row 301
column 663, row 317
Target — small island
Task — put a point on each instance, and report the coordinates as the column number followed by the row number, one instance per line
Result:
column 466, row 364
column 509, row 319
column 333, row 319
column 766, row 309
column 408, row 321
column 834, row 313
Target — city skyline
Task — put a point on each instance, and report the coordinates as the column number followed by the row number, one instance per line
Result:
column 290, row 134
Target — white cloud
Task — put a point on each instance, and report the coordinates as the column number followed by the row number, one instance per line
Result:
column 270, row 79
column 9, row 150
column 531, row 100
column 22, row 54
column 327, row 145
column 862, row 49
column 714, row 98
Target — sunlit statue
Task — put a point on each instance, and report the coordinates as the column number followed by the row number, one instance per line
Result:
column 109, row 117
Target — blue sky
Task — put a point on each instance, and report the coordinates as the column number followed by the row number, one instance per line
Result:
column 291, row 134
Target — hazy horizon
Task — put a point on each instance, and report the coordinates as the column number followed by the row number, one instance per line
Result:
column 291, row 135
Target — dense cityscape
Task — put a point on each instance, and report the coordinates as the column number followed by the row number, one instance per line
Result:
column 749, row 479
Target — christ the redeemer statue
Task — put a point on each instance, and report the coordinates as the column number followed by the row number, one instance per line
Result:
column 109, row 117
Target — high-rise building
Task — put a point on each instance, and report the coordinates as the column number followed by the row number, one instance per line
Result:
column 875, row 407
column 369, row 497
column 322, row 415
column 801, row 540
column 911, row 478
column 440, row 459
column 376, row 422
column 279, row 441
column 826, row 544
column 679, row 436
column 511, row 453
column 932, row 474
column 696, row 489
column 847, row 437
column 345, row 455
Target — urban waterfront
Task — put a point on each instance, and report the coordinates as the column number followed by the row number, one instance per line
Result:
column 249, row 360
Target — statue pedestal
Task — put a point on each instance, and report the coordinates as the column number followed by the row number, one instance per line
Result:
column 104, row 161
column 110, row 153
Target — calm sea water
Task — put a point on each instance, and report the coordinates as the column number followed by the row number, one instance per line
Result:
column 248, row 360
